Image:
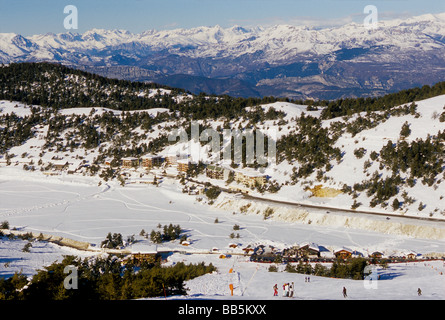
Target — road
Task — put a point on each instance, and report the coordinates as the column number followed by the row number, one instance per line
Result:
column 340, row 210
column 328, row 209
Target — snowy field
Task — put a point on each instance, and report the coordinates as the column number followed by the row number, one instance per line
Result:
column 77, row 208
column 254, row 281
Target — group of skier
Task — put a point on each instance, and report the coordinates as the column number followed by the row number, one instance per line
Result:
column 288, row 290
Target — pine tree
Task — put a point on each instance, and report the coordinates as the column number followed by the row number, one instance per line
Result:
column 395, row 204
column 405, row 131
column 155, row 236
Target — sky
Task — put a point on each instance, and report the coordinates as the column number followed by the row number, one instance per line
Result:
column 28, row 17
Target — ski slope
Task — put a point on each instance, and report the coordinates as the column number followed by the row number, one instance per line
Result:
column 77, row 208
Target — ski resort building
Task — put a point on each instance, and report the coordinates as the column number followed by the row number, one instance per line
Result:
column 217, row 172
column 308, row 250
column 60, row 165
column 172, row 159
column 141, row 254
column 376, row 254
column 130, row 162
column 343, row 253
column 150, row 161
column 183, row 165
column 250, row 177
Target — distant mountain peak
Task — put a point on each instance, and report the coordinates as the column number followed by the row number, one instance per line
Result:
column 281, row 60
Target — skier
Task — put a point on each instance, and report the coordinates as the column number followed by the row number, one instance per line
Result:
column 291, row 290
column 275, row 290
column 344, row 292
column 419, row 292
column 285, row 292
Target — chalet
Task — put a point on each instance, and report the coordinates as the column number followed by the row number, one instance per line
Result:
column 376, row 255
column 107, row 162
column 343, row 253
column 357, row 254
column 150, row 161
column 308, row 250
column 130, row 162
column 411, row 255
column 139, row 257
column 250, row 177
column 291, row 252
column 248, row 250
column 139, row 254
column 60, row 165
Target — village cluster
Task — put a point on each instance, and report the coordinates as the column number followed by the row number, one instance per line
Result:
column 150, row 169
column 307, row 252
column 312, row 252
column 181, row 164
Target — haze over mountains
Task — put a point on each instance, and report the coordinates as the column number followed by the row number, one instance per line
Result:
column 282, row 60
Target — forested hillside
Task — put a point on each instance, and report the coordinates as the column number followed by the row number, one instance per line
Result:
column 385, row 153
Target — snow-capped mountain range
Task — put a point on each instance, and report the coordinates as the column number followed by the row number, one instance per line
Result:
column 281, row 60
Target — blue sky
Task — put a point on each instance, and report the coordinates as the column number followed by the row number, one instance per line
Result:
column 28, row 17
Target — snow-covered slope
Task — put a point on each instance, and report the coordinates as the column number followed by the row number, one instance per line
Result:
column 426, row 200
